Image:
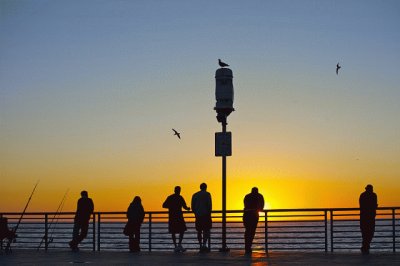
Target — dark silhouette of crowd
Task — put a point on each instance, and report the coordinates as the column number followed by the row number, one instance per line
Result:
column 201, row 204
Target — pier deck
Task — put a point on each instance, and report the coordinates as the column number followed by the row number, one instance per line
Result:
column 60, row 257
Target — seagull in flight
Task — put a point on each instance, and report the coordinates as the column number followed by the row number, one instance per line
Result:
column 337, row 68
column 222, row 64
column 177, row 133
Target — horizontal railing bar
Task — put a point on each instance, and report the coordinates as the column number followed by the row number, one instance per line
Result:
column 215, row 211
column 354, row 242
column 357, row 226
column 296, row 232
column 288, row 237
column 299, row 244
column 295, row 221
column 297, row 226
column 294, row 248
column 352, row 231
column 295, row 215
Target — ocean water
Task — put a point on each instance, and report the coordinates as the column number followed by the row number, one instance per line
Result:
column 281, row 235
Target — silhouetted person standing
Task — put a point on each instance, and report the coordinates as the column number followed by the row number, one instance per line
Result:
column 253, row 203
column 368, row 205
column 135, row 214
column 176, row 224
column 202, row 206
column 81, row 222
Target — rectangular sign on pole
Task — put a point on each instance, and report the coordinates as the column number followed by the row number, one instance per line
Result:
column 223, row 144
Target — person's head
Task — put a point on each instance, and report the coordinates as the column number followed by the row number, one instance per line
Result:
column 137, row 200
column 369, row 188
column 254, row 190
column 84, row 194
column 177, row 190
column 203, row 186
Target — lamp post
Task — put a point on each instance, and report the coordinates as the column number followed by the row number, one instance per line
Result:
column 223, row 140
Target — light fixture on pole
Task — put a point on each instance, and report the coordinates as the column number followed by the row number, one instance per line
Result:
column 223, row 140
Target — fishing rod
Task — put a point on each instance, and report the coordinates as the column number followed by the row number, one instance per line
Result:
column 8, row 247
column 54, row 227
column 57, row 214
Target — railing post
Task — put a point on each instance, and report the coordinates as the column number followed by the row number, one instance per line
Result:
column 266, row 231
column 46, row 231
column 150, row 231
column 98, row 231
column 209, row 241
column 394, row 228
column 331, row 216
column 94, row 232
column 209, row 236
column 1, row 240
column 326, row 230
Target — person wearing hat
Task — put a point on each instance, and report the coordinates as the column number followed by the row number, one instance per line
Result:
column 368, row 205
column 81, row 221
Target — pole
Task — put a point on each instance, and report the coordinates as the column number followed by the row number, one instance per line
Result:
column 52, row 224
column 46, row 232
column 224, row 248
column 8, row 247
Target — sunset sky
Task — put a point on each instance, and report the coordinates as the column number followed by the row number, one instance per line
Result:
column 90, row 91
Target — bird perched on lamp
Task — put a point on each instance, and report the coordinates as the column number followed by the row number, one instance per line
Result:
column 222, row 64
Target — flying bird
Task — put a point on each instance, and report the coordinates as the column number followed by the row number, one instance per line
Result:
column 222, row 64
column 177, row 133
column 337, row 68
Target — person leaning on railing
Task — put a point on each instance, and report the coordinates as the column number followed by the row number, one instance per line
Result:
column 176, row 223
column 202, row 206
column 81, row 221
column 253, row 203
column 135, row 215
column 368, row 205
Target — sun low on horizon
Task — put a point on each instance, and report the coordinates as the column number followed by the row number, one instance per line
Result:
column 90, row 99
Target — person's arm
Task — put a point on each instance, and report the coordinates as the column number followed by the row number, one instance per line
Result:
column 141, row 214
column 184, row 204
column 78, row 205
column 192, row 204
column 262, row 203
column 91, row 206
column 210, row 200
column 166, row 203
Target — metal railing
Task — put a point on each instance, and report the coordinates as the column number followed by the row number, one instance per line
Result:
column 279, row 229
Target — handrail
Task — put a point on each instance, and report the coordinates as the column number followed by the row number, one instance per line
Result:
column 323, row 229
column 214, row 211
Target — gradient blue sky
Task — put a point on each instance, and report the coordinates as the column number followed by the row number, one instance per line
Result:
column 89, row 92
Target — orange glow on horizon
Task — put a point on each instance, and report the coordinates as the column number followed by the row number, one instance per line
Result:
column 280, row 190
